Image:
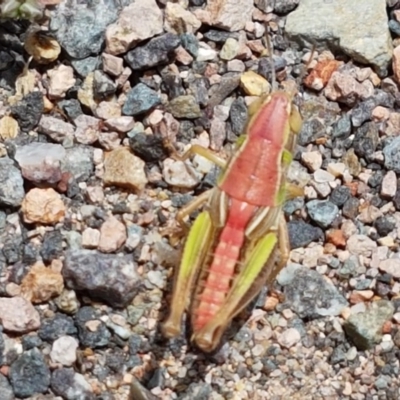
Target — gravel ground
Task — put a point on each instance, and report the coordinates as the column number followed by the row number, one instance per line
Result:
column 89, row 189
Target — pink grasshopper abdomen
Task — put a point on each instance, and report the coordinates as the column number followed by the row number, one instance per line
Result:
column 223, row 264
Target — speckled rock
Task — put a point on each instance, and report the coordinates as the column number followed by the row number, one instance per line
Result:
column 70, row 385
column 341, row 24
column 112, row 235
column 322, row 212
column 138, row 21
column 230, row 14
column 57, row 326
column 63, row 350
column 140, row 99
column 110, row 278
column 92, row 331
column 11, row 184
column 18, row 315
column 40, row 162
column 157, row 51
column 150, row 148
column 123, row 169
column 301, row 234
column 392, row 155
column 176, row 17
column 80, row 28
column 29, row 374
column 28, row 111
column 184, row 107
column 43, row 206
column 309, row 294
column 41, row 284
column 365, row 328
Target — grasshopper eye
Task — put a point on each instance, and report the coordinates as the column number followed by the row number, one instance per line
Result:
column 295, row 120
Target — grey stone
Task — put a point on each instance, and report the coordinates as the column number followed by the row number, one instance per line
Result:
column 364, row 36
column 28, row 111
column 11, row 184
column 392, row 155
column 365, row 328
column 70, row 385
column 310, row 295
column 323, row 212
column 140, row 99
column 86, row 65
column 29, row 374
column 80, row 27
column 108, row 277
column 157, row 51
column 79, row 162
column 301, row 234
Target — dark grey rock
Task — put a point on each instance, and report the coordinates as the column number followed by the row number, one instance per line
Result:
column 139, row 392
column 80, row 27
column 309, row 294
column 157, row 380
column 285, row 6
column 140, row 99
column 184, row 107
column 376, row 179
column 52, row 247
column 31, row 341
column 366, row 140
column 190, row 43
column 70, row 385
column 79, row 162
column 342, row 127
column 350, row 208
column 219, row 36
column 311, row 130
column 173, row 85
column 196, row 2
column 28, row 111
column 323, row 212
column 385, row 224
column 301, row 234
column 340, row 195
column 265, row 66
column 293, row 205
column 238, row 115
column 338, row 355
column 85, row 66
column 362, row 112
column 135, row 344
column 365, row 328
column 229, row 82
column 156, row 52
column 197, row 391
column 199, row 88
column 29, row 374
column 99, row 337
column 12, row 249
column 5, row 387
column 71, row 107
column 392, row 155
column 394, row 27
column 109, row 277
column 103, row 85
column 57, row 326
column 11, row 184
column 149, row 148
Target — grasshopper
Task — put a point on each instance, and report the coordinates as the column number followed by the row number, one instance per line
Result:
column 240, row 241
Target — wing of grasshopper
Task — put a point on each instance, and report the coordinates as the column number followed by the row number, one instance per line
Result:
column 199, row 238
